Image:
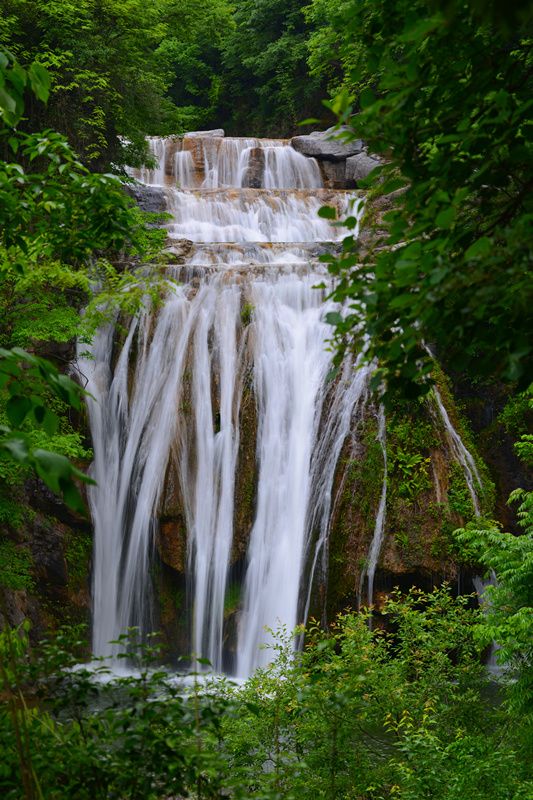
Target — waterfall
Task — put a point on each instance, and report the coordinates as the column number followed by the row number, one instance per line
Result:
column 461, row 454
column 131, row 440
column 195, row 162
column 343, row 403
column 242, row 314
column 210, row 482
column 291, row 365
column 171, row 394
column 379, row 525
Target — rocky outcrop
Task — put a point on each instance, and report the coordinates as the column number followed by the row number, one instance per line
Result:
column 253, row 176
column 360, row 166
column 45, row 570
column 328, row 145
column 149, row 198
column 343, row 162
column 333, row 174
column 215, row 133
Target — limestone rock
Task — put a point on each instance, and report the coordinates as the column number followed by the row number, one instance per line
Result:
column 148, row 198
column 360, row 166
column 253, row 177
column 333, row 174
column 323, row 145
column 213, row 134
column 177, row 252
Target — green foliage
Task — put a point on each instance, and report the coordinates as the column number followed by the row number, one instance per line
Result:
column 15, row 566
column 247, row 312
column 363, row 714
column 459, row 497
column 27, row 380
column 232, row 598
column 77, row 555
column 453, row 265
column 56, row 218
column 192, row 55
column 517, row 416
column 358, row 714
column 14, row 81
column 107, row 78
column 509, row 608
column 267, row 85
column 12, row 512
column 410, row 439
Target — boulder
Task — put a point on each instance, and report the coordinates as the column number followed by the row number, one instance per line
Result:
column 149, row 198
column 325, row 145
column 333, row 174
column 253, row 176
column 216, row 133
column 360, row 166
column 177, row 252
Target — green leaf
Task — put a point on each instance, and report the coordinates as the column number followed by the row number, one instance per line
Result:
column 16, row 446
column 17, row 408
column 40, row 81
column 334, row 318
column 420, row 29
column 446, row 217
column 479, row 248
column 7, row 102
column 367, row 98
column 327, row 212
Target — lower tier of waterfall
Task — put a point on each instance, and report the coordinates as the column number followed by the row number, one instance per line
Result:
column 200, row 353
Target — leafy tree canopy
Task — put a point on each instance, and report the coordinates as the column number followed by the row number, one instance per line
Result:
column 111, row 64
column 451, row 263
column 61, row 227
column 267, row 86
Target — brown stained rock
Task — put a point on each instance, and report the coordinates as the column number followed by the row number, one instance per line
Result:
column 200, row 148
column 172, row 544
column 334, row 174
column 245, row 487
column 253, row 177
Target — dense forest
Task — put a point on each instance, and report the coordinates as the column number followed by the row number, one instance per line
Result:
column 434, row 298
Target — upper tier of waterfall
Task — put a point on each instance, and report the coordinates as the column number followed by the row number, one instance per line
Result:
column 196, row 162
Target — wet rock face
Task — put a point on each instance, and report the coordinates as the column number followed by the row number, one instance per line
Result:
column 149, row 198
column 215, row 133
column 47, row 548
column 322, row 145
column 253, row 177
column 333, row 174
column 342, row 164
column 359, row 167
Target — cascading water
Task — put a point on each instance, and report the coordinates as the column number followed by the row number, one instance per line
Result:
column 460, row 453
column 379, row 526
column 241, row 314
column 253, row 247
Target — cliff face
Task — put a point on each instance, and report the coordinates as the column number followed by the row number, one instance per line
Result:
column 45, row 554
column 427, row 499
